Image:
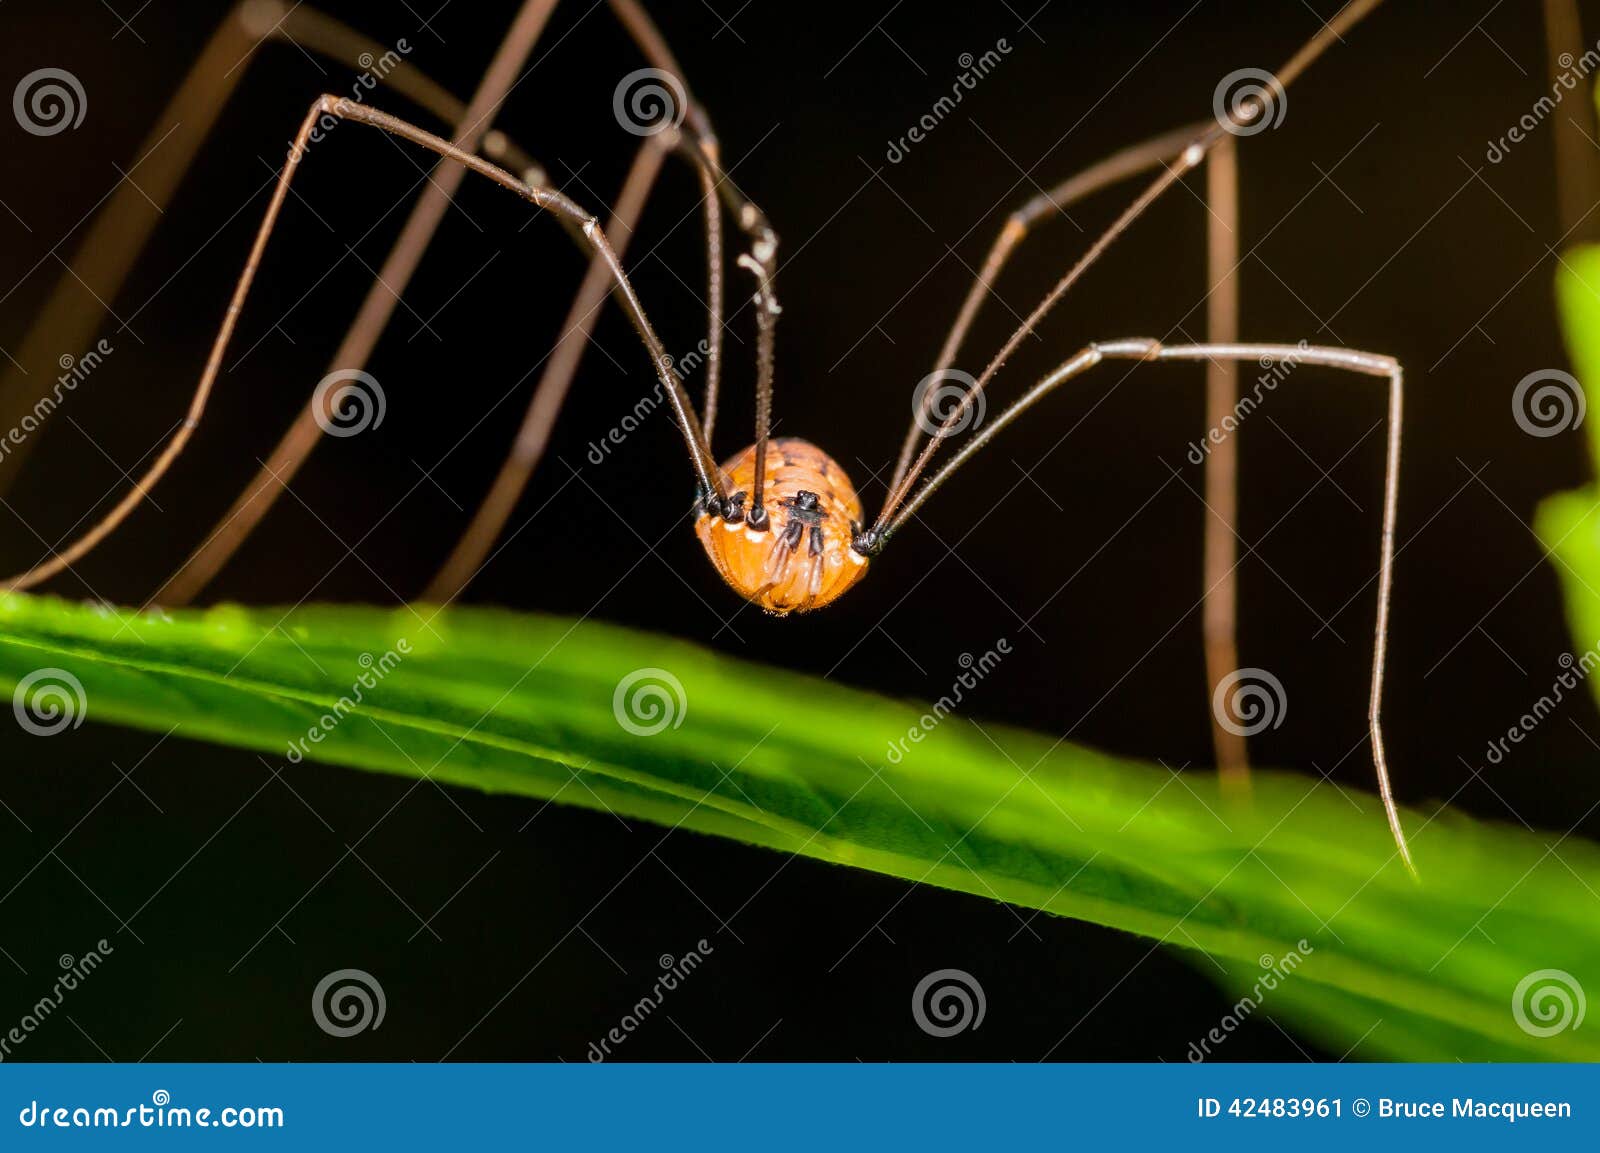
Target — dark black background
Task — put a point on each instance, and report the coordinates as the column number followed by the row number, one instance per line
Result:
column 1371, row 208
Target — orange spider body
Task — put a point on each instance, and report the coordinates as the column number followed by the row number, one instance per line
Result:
column 803, row 558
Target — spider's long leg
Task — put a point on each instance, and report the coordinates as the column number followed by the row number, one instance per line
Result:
column 254, row 502
column 491, row 515
column 488, row 520
column 119, row 231
column 1119, row 166
column 760, row 259
column 374, row 314
column 1369, row 364
column 1222, row 377
column 1219, row 552
column 711, row 208
column 1186, row 161
column 561, row 208
column 699, row 145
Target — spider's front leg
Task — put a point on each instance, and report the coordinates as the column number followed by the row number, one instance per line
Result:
column 1175, row 154
column 377, row 307
column 1145, row 349
column 695, row 140
column 555, row 204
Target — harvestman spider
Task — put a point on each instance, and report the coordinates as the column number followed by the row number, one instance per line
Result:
column 780, row 520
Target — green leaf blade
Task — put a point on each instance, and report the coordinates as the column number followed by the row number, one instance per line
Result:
column 525, row 704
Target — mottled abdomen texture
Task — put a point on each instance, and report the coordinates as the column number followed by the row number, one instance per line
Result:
column 803, row 559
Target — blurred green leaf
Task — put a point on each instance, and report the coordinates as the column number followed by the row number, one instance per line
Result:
column 531, row 705
column 1578, row 299
column 1566, row 522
